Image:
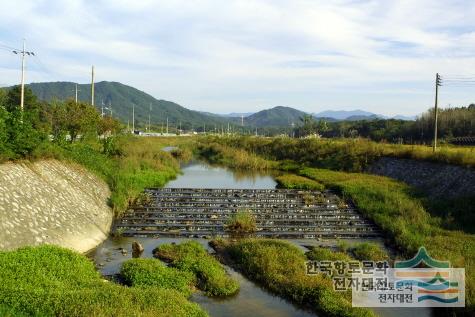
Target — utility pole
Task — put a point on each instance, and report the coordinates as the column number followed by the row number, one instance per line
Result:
column 92, row 86
column 133, row 118
column 167, row 125
column 149, row 111
column 242, row 120
column 102, row 108
column 23, row 53
column 437, row 84
column 76, row 97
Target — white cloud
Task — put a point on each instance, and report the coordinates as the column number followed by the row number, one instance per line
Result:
column 244, row 55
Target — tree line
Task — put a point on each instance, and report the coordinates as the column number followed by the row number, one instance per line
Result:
column 25, row 133
column 452, row 123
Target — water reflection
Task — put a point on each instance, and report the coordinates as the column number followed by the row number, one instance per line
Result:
column 251, row 300
column 202, row 175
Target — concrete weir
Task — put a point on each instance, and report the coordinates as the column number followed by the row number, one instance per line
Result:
column 280, row 213
column 52, row 202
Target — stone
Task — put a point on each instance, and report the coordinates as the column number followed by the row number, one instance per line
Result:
column 137, row 249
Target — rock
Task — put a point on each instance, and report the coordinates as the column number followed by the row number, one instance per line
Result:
column 124, row 252
column 137, row 249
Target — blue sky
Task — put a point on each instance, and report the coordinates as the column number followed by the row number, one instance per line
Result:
column 242, row 56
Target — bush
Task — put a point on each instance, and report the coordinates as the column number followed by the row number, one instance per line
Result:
column 151, row 272
column 280, row 267
column 192, row 257
column 293, row 181
column 231, row 157
column 53, row 281
column 182, row 154
column 370, row 251
column 241, row 223
column 401, row 216
column 141, row 164
column 326, row 254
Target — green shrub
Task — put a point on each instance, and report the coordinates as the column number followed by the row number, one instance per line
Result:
column 192, row 257
column 293, row 181
column 151, row 272
column 280, row 267
column 402, row 217
column 182, row 154
column 241, row 223
column 326, row 254
column 370, row 251
column 53, row 281
column 231, row 157
column 343, row 245
column 141, row 164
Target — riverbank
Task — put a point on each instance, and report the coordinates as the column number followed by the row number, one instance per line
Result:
column 56, row 201
column 69, row 196
column 52, row 202
column 279, row 267
column 393, row 206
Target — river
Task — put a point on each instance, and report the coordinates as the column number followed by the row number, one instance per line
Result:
column 251, row 299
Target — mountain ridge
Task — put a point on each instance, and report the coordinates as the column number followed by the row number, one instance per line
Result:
column 122, row 98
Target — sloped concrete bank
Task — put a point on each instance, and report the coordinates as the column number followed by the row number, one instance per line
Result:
column 52, row 202
column 435, row 179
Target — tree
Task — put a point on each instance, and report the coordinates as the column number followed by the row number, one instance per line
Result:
column 13, row 99
column 3, row 98
column 310, row 126
column 22, row 136
column 108, row 125
column 80, row 119
column 3, row 133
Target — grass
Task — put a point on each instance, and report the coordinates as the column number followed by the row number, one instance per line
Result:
column 151, row 272
column 192, row 257
column 369, row 251
column 352, row 155
column 231, row 157
column 293, row 181
column 53, row 281
column 241, row 223
column 129, row 165
column 392, row 206
column 326, row 254
column 363, row 251
column 280, row 267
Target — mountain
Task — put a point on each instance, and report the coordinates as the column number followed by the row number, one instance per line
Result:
column 345, row 115
column 361, row 117
column 277, row 116
column 405, row 118
column 122, row 98
column 236, row 114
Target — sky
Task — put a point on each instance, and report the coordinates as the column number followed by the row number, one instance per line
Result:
column 245, row 56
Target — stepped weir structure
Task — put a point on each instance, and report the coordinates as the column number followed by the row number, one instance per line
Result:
column 280, row 213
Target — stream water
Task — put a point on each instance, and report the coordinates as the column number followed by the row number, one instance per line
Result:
column 251, row 299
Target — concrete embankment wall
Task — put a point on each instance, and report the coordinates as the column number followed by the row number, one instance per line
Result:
column 52, row 202
column 437, row 180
